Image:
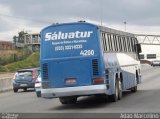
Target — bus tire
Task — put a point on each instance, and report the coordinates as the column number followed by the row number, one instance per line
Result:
column 134, row 89
column 120, row 93
column 68, row 100
column 114, row 97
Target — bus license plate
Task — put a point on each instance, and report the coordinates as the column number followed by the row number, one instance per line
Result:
column 70, row 81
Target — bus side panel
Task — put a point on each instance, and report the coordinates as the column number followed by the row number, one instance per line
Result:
column 124, row 63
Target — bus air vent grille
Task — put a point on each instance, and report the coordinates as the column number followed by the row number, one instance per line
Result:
column 95, row 67
column 45, row 71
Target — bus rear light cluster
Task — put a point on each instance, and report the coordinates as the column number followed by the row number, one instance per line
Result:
column 99, row 81
column 45, row 85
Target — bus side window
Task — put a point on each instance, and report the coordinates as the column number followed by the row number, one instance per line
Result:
column 107, row 42
column 115, row 42
column 135, row 45
column 124, row 44
column 132, row 43
column 129, row 44
column 119, row 43
column 103, row 42
column 112, row 43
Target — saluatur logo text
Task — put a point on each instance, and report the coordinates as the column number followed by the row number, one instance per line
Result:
column 70, row 35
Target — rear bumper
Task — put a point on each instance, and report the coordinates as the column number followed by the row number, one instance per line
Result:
column 156, row 64
column 20, row 85
column 74, row 91
column 37, row 88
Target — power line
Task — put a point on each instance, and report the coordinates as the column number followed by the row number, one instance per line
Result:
column 26, row 19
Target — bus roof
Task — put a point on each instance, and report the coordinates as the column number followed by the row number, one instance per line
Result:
column 113, row 31
column 102, row 28
column 71, row 23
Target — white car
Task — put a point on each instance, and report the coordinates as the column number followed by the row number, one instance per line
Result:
column 38, row 86
column 155, row 63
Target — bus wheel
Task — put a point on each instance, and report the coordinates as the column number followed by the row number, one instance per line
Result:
column 134, row 89
column 119, row 90
column 68, row 100
column 114, row 97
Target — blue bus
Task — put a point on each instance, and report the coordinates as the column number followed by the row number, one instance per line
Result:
column 82, row 59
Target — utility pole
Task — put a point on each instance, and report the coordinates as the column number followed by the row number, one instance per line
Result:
column 101, row 10
column 125, row 24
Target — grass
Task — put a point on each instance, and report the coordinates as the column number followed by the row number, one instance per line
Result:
column 29, row 62
column 7, row 75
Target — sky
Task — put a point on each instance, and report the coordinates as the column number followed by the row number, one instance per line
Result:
column 141, row 16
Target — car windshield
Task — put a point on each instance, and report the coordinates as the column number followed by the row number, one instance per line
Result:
column 24, row 74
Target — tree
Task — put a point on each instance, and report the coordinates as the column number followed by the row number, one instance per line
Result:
column 20, row 37
column 14, row 39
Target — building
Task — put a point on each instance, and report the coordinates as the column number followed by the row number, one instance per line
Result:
column 30, row 40
column 33, row 38
column 150, row 46
column 6, row 45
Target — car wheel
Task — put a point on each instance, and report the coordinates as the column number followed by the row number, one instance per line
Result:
column 15, row 90
column 25, row 89
column 38, row 93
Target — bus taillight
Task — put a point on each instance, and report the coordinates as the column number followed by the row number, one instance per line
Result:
column 99, row 81
column 45, row 85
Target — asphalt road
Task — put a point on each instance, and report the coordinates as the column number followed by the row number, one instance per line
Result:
column 147, row 99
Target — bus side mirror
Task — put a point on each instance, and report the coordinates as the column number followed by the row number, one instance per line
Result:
column 139, row 48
